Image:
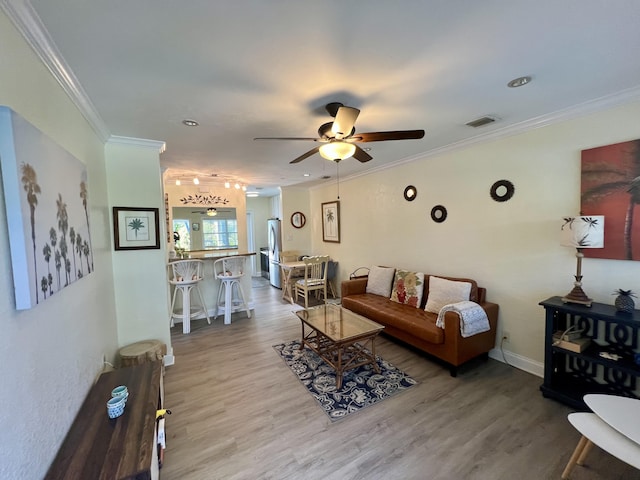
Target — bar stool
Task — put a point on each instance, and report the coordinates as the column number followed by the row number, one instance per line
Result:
column 185, row 275
column 229, row 271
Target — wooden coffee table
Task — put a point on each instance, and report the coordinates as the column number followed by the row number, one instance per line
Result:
column 339, row 336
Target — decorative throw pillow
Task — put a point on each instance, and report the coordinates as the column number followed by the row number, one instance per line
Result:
column 443, row 292
column 407, row 288
column 379, row 281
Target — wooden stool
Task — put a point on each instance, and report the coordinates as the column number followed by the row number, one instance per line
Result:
column 142, row 352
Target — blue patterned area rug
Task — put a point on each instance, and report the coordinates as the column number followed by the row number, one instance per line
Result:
column 361, row 386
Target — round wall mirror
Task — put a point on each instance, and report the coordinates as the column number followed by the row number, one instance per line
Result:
column 410, row 193
column 298, row 219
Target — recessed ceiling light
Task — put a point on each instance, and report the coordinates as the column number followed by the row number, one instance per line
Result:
column 252, row 194
column 190, row 123
column 519, row 82
column 306, row 174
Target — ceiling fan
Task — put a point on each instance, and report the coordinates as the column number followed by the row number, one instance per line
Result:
column 211, row 211
column 339, row 137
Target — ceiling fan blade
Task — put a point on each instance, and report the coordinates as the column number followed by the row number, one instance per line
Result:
column 305, row 155
column 382, row 136
column 361, row 155
column 309, row 139
column 344, row 122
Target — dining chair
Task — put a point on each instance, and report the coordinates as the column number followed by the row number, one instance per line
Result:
column 314, row 278
column 331, row 276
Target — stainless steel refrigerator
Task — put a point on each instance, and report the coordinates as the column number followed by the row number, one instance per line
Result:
column 275, row 242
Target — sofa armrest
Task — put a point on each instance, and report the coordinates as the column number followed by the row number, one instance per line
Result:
column 452, row 323
column 353, row 287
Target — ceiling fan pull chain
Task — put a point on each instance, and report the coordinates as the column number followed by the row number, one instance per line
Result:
column 338, row 178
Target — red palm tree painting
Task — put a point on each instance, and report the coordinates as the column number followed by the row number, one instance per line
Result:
column 610, row 186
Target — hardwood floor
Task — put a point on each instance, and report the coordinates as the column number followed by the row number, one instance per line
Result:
column 238, row 412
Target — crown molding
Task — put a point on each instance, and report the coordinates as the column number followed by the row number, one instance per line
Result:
column 28, row 23
column 138, row 142
column 592, row 106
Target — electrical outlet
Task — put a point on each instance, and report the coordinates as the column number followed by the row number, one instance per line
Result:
column 506, row 336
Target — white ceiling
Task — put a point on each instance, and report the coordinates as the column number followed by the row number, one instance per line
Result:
column 256, row 68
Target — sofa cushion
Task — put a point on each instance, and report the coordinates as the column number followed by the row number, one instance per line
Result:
column 379, row 281
column 443, row 292
column 416, row 321
column 407, row 288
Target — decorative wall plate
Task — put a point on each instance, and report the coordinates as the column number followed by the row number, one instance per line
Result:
column 410, row 193
column 502, row 190
column 438, row 214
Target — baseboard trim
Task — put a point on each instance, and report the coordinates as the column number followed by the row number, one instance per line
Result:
column 518, row 361
column 169, row 358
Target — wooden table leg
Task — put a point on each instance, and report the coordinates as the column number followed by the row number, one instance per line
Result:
column 577, row 454
column 585, row 452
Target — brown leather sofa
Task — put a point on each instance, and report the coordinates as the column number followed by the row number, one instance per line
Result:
column 418, row 328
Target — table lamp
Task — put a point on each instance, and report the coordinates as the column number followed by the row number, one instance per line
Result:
column 581, row 232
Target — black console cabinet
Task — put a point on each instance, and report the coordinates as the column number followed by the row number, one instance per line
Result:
column 568, row 376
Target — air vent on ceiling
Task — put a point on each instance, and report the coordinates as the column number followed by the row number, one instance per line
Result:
column 479, row 122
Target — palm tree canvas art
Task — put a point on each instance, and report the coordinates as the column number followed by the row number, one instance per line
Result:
column 611, row 187
column 45, row 190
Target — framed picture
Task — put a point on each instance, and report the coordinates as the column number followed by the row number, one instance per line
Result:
column 196, row 226
column 135, row 228
column 331, row 221
column 609, row 187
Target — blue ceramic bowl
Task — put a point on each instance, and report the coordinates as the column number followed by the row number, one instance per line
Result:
column 115, row 406
column 121, row 391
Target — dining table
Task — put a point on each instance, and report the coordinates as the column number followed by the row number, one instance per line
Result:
column 288, row 268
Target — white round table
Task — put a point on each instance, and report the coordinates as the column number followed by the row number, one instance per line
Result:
column 621, row 413
column 614, row 426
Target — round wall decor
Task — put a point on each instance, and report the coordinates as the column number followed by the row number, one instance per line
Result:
column 438, row 214
column 298, row 220
column 410, row 193
column 502, row 190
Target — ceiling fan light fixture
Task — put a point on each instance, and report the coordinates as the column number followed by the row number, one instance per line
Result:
column 211, row 212
column 337, row 150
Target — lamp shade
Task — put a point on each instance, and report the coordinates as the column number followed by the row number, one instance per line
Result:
column 337, row 150
column 212, row 212
column 583, row 232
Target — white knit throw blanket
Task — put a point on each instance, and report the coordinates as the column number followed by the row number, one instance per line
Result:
column 473, row 318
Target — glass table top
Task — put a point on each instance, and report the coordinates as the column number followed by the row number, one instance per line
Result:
column 337, row 323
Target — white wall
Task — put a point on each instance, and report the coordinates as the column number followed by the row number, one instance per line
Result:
column 261, row 209
column 50, row 354
column 141, row 289
column 511, row 248
column 295, row 199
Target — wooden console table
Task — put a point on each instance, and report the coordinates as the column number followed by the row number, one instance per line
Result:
column 97, row 447
column 568, row 375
